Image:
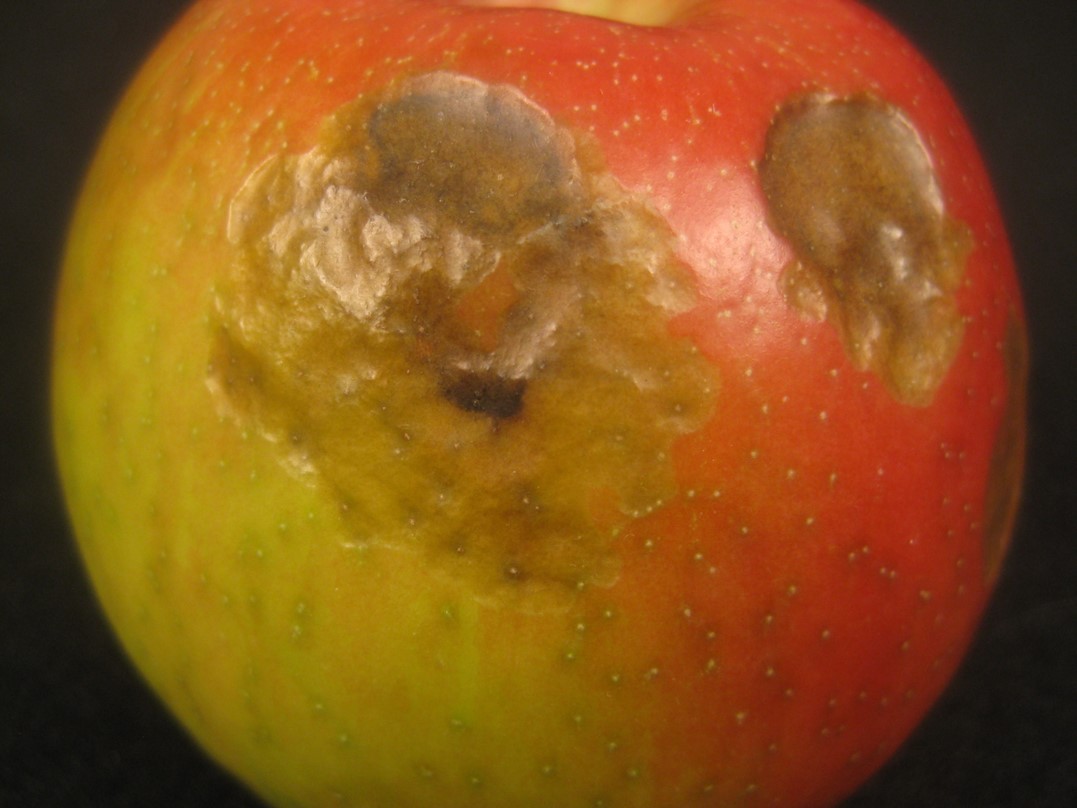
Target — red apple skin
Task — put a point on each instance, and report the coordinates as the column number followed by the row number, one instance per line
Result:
column 775, row 628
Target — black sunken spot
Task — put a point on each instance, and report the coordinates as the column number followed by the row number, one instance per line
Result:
column 486, row 393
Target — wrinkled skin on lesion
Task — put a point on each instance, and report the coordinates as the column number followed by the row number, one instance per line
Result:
column 452, row 317
column 851, row 186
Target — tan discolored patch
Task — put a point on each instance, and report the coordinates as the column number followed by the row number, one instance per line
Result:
column 850, row 184
column 1008, row 458
column 453, row 316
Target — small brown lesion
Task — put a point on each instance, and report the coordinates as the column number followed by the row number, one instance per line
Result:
column 467, row 318
column 851, row 186
column 485, row 393
column 1008, row 456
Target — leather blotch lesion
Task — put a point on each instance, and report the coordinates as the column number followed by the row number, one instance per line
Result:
column 467, row 319
column 850, row 185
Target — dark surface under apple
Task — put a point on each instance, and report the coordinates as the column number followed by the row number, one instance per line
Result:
column 78, row 728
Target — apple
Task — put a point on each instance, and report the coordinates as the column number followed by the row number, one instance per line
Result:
column 601, row 404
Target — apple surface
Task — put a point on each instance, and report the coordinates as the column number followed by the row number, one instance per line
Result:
column 572, row 403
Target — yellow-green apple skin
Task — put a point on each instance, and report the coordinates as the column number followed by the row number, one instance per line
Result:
column 456, row 406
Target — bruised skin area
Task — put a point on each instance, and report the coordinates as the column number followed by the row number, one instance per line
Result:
column 849, row 183
column 450, row 314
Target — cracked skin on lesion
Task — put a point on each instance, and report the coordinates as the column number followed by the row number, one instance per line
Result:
column 450, row 316
column 850, row 185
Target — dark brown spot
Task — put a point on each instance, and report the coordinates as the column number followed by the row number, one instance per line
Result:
column 485, row 393
column 427, row 141
column 851, row 185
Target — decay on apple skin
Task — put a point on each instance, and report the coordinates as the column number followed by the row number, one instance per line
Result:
column 467, row 318
column 486, row 393
column 850, row 184
column 1008, row 456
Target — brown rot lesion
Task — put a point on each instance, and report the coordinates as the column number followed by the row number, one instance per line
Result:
column 1008, row 455
column 850, row 184
column 468, row 319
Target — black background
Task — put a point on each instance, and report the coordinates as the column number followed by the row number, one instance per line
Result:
column 77, row 727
